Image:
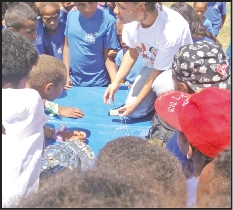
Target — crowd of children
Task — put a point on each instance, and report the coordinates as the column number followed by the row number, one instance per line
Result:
column 173, row 65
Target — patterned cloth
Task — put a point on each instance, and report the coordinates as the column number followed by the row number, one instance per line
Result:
column 202, row 64
column 69, row 154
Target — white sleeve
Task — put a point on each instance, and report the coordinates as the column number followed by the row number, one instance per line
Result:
column 127, row 35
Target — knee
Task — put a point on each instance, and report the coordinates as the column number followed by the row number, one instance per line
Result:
column 163, row 83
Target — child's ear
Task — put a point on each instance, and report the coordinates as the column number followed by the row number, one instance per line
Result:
column 48, row 88
column 182, row 87
column 11, row 29
column 190, row 152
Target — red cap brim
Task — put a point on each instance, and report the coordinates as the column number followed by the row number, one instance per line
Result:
column 167, row 106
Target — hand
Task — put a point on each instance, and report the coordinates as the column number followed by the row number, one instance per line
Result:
column 126, row 109
column 69, row 83
column 112, row 53
column 70, row 112
column 109, row 93
column 73, row 135
column 74, row 8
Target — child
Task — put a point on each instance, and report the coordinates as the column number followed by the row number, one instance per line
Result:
column 137, row 67
column 127, row 184
column 214, row 73
column 203, row 123
column 197, row 29
column 108, row 7
column 64, row 10
column 155, row 32
column 89, row 35
column 216, row 13
column 21, row 18
column 15, row 72
column 53, row 29
column 48, row 77
column 200, row 8
column 23, row 119
column 214, row 187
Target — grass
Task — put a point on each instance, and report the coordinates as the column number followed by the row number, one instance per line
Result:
column 224, row 36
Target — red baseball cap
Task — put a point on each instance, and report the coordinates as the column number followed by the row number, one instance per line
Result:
column 203, row 117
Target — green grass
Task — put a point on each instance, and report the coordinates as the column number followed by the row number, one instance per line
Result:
column 224, row 36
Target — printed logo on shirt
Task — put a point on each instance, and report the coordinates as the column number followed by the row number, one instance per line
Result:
column 38, row 40
column 148, row 55
column 60, row 49
column 90, row 38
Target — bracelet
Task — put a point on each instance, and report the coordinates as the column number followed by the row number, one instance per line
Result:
column 52, row 107
column 56, row 136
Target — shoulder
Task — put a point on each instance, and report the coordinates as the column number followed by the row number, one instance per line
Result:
column 106, row 16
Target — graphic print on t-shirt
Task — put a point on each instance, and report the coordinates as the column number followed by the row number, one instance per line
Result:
column 147, row 55
column 90, row 38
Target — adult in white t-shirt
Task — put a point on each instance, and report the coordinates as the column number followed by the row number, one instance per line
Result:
column 23, row 118
column 156, row 33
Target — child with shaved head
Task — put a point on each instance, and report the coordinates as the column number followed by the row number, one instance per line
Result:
column 48, row 77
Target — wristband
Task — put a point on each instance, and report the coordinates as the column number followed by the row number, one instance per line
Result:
column 57, row 137
column 52, row 107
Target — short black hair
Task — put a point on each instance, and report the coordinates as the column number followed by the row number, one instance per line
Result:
column 17, row 13
column 101, row 187
column 161, row 166
column 219, row 183
column 47, row 70
column 18, row 57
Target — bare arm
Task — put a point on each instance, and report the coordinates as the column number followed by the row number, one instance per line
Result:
column 129, row 108
column 223, row 20
column 128, row 61
column 66, row 61
column 110, row 64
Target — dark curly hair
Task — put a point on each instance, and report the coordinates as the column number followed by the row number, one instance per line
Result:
column 18, row 57
column 218, row 187
column 161, row 166
column 197, row 29
column 17, row 13
column 122, row 186
column 47, row 70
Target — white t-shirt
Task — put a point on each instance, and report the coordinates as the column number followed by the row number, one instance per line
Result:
column 158, row 43
column 23, row 118
column 191, row 185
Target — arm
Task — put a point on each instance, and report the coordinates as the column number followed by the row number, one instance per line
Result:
column 66, row 135
column 110, row 64
column 67, row 63
column 128, row 61
column 223, row 20
column 128, row 108
column 64, row 111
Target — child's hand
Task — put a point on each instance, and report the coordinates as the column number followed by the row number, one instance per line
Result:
column 73, row 135
column 70, row 112
column 112, row 53
column 68, row 83
column 74, row 8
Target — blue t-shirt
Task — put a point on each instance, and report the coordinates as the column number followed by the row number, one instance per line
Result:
column 173, row 147
column 56, row 41
column 135, row 70
column 87, row 38
column 207, row 23
column 63, row 15
column 214, row 13
column 40, row 42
